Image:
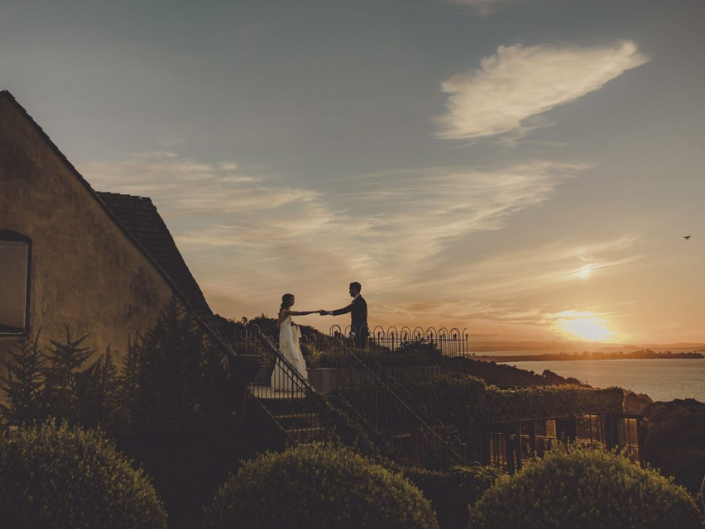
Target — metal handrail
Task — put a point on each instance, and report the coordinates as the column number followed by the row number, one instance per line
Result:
column 423, row 426
column 451, row 342
column 298, row 390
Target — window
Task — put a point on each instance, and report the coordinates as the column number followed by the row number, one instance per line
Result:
column 14, row 282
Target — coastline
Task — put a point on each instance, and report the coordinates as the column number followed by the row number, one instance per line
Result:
column 568, row 357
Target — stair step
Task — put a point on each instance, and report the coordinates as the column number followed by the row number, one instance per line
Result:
column 265, row 392
column 304, row 415
column 305, row 430
column 308, row 434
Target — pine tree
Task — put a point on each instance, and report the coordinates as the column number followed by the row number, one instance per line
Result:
column 113, row 416
column 98, row 395
column 23, row 384
column 62, row 376
column 175, row 379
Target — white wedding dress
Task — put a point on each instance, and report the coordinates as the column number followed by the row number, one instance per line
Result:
column 289, row 336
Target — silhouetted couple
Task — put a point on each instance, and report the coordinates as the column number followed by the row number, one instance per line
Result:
column 289, row 333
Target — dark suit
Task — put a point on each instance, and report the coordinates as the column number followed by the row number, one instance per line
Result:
column 358, row 325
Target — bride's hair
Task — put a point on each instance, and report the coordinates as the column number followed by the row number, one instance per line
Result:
column 286, row 301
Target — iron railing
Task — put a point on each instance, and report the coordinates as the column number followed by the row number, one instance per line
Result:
column 450, row 342
column 285, row 395
column 363, row 386
column 366, row 388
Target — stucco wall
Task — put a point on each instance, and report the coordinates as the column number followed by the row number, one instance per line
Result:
column 85, row 271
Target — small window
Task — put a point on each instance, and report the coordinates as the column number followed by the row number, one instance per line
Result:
column 14, row 282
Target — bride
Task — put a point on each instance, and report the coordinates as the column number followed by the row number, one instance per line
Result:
column 289, row 336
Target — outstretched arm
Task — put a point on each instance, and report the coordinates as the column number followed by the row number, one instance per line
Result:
column 344, row 310
column 300, row 313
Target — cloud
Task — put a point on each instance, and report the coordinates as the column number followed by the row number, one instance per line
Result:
column 519, row 82
column 250, row 238
column 414, row 215
column 521, row 289
column 171, row 142
column 483, row 7
column 187, row 187
column 535, row 269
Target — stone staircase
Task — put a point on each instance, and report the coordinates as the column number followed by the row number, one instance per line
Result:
column 303, row 414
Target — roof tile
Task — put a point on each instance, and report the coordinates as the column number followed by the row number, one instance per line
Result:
column 141, row 218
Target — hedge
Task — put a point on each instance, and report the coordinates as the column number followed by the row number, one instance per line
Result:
column 318, row 487
column 53, row 476
column 409, row 354
column 585, row 489
column 465, row 400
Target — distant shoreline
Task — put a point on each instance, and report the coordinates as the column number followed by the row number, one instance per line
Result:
column 550, row 357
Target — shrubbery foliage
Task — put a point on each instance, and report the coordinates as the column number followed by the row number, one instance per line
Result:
column 23, row 384
column 60, row 477
column 174, row 378
column 412, row 354
column 170, row 407
column 53, row 382
column 585, row 489
column 464, row 400
column 503, row 374
column 318, row 487
column 452, row 491
column 469, row 403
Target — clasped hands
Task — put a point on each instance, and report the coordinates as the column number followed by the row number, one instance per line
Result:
column 324, row 312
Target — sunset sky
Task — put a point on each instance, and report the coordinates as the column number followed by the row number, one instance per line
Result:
column 523, row 169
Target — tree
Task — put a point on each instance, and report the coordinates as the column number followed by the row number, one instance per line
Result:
column 98, row 393
column 23, row 384
column 174, row 376
column 61, row 376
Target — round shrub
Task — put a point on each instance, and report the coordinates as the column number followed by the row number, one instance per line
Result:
column 452, row 491
column 54, row 476
column 583, row 488
column 318, row 487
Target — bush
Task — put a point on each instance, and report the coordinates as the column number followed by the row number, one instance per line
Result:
column 582, row 488
column 175, row 377
column 467, row 401
column 409, row 354
column 452, row 491
column 54, row 477
column 318, row 487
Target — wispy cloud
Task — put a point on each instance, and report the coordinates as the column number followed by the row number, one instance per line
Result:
column 412, row 216
column 510, row 286
column 506, row 275
column 248, row 239
column 483, row 7
column 519, row 82
column 184, row 186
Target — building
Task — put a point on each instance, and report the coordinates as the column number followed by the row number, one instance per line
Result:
column 103, row 264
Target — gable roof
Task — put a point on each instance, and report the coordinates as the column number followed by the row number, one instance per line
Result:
column 126, row 215
column 141, row 218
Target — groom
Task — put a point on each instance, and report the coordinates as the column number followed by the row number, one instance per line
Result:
column 358, row 312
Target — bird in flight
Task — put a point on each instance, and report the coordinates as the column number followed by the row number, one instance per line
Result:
column 686, row 237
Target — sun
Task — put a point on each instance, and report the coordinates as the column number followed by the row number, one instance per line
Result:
column 585, row 271
column 587, row 328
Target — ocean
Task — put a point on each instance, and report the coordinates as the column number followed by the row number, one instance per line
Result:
column 659, row 379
